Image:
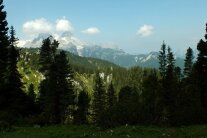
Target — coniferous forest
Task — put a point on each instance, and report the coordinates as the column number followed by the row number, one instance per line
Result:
column 111, row 96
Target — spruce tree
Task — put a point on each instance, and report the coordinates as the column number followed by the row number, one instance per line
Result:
column 4, row 44
column 46, row 59
column 171, row 90
column 162, row 60
column 65, row 88
column 99, row 99
column 188, row 65
column 111, row 96
column 170, row 63
column 150, row 97
column 31, row 92
column 47, row 55
column 201, row 69
column 56, row 90
column 82, row 110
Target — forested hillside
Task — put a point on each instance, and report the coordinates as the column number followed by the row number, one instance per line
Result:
column 47, row 86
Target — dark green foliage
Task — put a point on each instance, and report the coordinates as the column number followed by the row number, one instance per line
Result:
column 31, row 92
column 188, row 62
column 4, row 44
column 47, row 54
column 111, row 96
column 128, row 108
column 64, row 82
column 56, row 91
column 162, row 60
column 82, row 111
column 201, row 68
column 99, row 99
column 151, row 97
column 16, row 102
column 178, row 73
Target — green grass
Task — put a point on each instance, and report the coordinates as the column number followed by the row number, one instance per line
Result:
column 65, row 131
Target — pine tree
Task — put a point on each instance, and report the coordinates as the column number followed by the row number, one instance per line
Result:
column 150, row 97
column 31, row 92
column 111, row 96
column 162, row 60
column 4, row 44
column 46, row 59
column 171, row 90
column 188, row 62
column 178, row 73
column 47, row 54
column 65, row 88
column 82, row 110
column 170, row 63
column 47, row 85
column 18, row 102
column 99, row 99
column 201, row 69
column 56, row 90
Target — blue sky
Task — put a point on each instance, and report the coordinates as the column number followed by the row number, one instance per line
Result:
column 136, row 26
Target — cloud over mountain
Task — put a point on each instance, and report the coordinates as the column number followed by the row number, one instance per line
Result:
column 63, row 25
column 37, row 26
column 145, row 30
column 91, row 30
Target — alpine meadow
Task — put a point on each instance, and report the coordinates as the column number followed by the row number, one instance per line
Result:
column 92, row 76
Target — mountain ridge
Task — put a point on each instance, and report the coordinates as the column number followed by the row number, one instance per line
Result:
column 114, row 55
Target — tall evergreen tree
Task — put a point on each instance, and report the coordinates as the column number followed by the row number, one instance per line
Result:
column 31, row 92
column 111, row 96
column 188, row 62
column 46, row 59
column 82, row 110
column 65, row 88
column 162, row 60
column 171, row 90
column 150, row 97
column 4, row 44
column 201, row 68
column 56, row 90
column 47, row 54
column 99, row 99
column 170, row 63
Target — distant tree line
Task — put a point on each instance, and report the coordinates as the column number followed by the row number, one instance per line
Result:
column 167, row 96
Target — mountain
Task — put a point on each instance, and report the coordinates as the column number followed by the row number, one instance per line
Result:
column 117, row 56
column 84, row 69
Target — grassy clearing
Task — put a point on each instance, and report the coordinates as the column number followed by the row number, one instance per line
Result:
column 93, row 132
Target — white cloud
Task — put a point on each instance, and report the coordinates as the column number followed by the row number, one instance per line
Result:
column 37, row 26
column 21, row 43
column 145, row 30
column 63, row 25
column 91, row 30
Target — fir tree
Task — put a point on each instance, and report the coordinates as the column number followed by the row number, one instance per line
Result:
column 82, row 110
column 46, row 88
column 56, row 91
column 46, row 59
column 99, row 99
column 31, row 92
column 65, row 88
column 201, row 69
column 162, row 60
column 188, row 62
column 111, row 96
column 170, row 63
column 47, row 54
column 150, row 97
column 4, row 44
